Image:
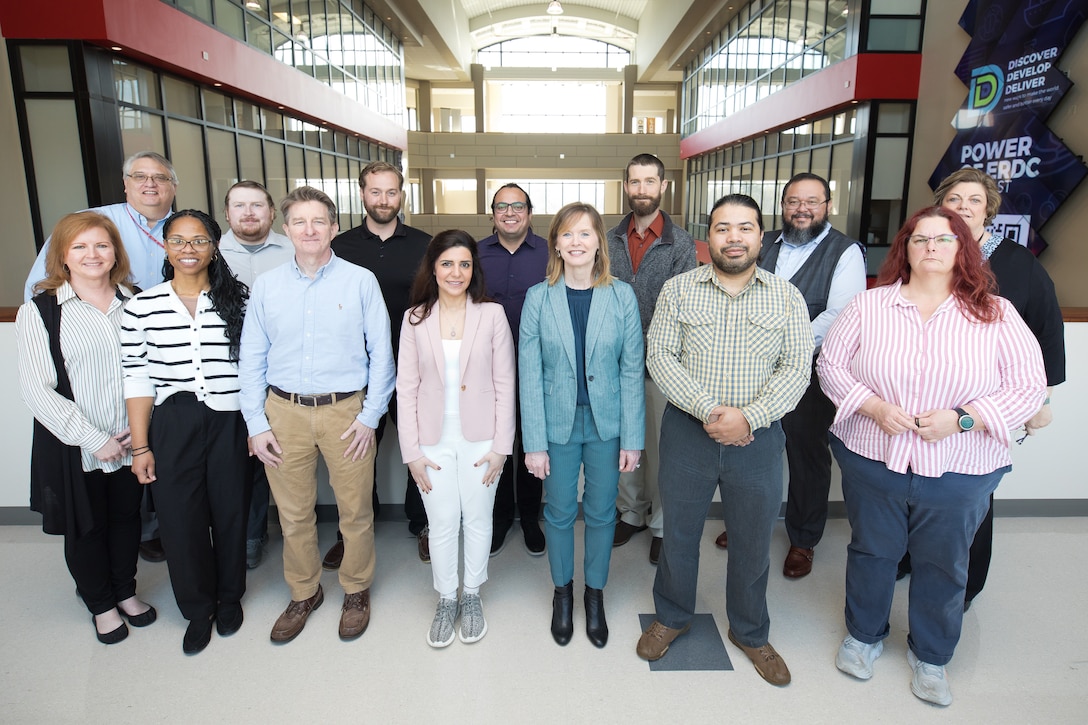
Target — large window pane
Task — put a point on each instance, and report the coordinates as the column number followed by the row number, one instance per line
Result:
column 140, row 131
column 182, row 98
column 222, row 160
column 135, row 84
column 275, row 169
column 46, row 68
column 58, row 160
column 187, row 155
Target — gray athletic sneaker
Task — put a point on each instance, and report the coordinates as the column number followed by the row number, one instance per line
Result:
column 473, row 624
column 443, row 628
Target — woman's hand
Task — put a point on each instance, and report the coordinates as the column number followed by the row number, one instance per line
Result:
column 124, row 438
column 891, row 419
column 1042, row 419
column 538, row 464
column 418, row 470
column 629, row 460
column 111, row 451
column 495, row 462
column 143, row 465
column 936, row 425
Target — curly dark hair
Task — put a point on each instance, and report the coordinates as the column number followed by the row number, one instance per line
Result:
column 227, row 293
column 425, row 287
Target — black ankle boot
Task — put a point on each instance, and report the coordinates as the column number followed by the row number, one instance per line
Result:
column 596, row 627
column 563, row 613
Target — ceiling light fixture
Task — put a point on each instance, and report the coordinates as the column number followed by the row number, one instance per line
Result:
column 555, row 8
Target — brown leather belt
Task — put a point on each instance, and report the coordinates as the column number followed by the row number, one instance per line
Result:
column 310, row 401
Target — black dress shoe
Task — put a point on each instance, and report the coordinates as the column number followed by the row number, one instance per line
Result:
column 228, row 619
column 655, row 550
column 534, row 537
column 498, row 539
column 333, row 556
column 563, row 614
column 110, row 637
column 596, row 626
column 197, row 636
column 151, row 550
column 143, row 619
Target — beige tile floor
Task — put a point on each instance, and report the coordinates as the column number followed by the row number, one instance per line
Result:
column 1023, row 657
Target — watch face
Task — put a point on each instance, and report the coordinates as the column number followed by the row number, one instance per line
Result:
column 967, row 422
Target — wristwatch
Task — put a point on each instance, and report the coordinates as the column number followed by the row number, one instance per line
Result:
column 966, row 421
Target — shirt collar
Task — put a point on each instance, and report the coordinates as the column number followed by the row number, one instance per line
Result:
column 819, row 238
column 66, row 293
column 322, row 271
column 657, row 226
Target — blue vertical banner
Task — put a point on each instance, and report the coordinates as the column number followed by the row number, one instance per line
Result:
column 1014, row 84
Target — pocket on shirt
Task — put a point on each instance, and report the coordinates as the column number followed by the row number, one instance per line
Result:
column 765, row 334
column 697, row 328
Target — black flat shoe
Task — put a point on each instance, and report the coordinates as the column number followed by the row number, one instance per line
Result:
column 228, row 619
column 197, row 636
column 596, row 626
column 110, row 637
column 140, row 620
column 563, row 614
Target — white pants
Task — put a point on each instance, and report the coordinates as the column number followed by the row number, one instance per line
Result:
column 458, row 495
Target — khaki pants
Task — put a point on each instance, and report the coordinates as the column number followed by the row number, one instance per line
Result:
column 639, row 501
column 303, row 433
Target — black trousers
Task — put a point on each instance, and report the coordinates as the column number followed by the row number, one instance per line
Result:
column 516, row 478
column 103, row 561
column 809, row 456
column 202, row 492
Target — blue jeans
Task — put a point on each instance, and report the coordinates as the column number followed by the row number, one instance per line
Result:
column 936, row 518
column 601, row 460
column 750, row 481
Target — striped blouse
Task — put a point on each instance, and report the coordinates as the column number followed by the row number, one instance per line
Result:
column 166, row 351
column 880, row 346
column 92, row 359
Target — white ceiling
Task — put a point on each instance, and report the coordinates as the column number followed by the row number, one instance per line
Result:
column 441, row 36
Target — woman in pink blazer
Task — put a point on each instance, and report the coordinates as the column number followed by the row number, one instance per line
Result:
column 455, row 394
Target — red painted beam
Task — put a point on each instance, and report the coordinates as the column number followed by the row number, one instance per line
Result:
column 866, row 77
column 160, row 35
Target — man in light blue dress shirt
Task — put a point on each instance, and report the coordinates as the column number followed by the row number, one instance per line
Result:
column 316, row 371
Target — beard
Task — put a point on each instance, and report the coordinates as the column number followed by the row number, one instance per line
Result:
column 732, row 266
column 643, row 206
column 382, row 215
column 798, row 236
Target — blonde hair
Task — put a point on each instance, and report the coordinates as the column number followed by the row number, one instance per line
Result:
column 971, row 175
column 564, row 219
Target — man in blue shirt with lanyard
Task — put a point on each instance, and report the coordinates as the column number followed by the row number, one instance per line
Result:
column 316, row 372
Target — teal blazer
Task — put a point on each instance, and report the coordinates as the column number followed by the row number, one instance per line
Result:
column 614, row 367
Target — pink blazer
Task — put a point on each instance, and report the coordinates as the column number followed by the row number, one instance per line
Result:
column 487, row 382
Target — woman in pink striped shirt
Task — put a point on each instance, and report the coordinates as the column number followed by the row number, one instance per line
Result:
column 929, row 372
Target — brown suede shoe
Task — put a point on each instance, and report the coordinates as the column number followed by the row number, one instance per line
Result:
column 655, row 641
column 798, row 563
column 293, row 619
column 768, row 663
column 355, row 615
column 722, row 542
column 335, row 555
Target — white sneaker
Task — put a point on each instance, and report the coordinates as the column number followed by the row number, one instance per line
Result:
column 929, row 682
column 443, row 628
column 856, row 658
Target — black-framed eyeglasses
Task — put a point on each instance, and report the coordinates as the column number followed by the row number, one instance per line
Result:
column 199, row 244
column 517, row 206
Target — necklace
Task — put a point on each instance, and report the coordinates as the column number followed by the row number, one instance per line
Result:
column 452, row 317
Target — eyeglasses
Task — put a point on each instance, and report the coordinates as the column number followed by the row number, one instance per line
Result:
column 942, row 240
column 159, row 179
column 199, row 244
column 517, row 206
column 807, row 203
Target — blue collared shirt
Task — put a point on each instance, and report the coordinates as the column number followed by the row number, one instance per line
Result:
column 329, row 334
column 847, row 280
column 509, row 276
column 143, row 244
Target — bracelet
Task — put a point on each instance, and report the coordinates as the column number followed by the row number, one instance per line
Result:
column 146, row 450
column 1047, row 401
column 141, row 449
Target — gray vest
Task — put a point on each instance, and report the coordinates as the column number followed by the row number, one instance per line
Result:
column 814, row 276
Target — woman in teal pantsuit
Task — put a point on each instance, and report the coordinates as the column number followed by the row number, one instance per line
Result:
column 583, row 405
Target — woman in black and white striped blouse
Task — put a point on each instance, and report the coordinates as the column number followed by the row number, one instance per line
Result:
column 70, row 377
column 180, row 354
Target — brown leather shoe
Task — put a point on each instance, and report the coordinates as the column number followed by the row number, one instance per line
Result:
column 655, row 550
column 768, row 663
column 293, row 619
column 655, row 641
column 624, row 532
column 335, row 555
column 151, row 550
column 722, row 542
column 798, row 563
column 355, row 614
column 423, row 542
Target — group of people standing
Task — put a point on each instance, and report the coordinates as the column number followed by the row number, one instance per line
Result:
column 522, row 365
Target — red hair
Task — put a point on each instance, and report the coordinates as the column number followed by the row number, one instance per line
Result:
column 972, row 281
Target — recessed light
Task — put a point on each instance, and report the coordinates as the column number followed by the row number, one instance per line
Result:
column 116, row 47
